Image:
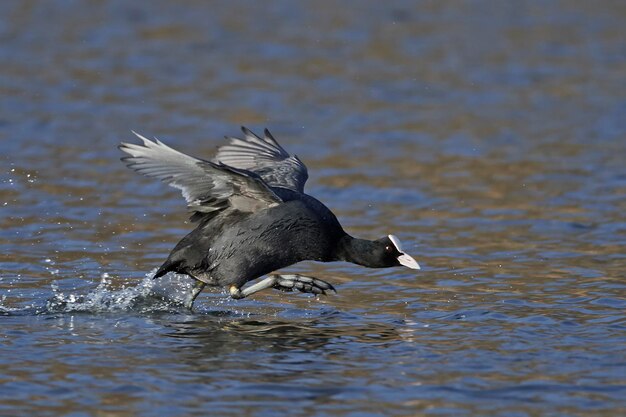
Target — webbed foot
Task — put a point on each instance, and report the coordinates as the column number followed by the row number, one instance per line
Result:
column 288, row 282
column 302, row 283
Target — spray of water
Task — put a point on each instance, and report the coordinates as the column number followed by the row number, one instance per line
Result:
column 149, row 295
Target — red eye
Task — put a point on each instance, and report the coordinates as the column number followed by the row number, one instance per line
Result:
column 388, row 248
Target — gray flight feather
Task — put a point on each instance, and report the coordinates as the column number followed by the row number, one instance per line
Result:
column 208, row 187
column 266, row 158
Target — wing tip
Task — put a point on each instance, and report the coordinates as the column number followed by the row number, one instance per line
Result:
column 269, row 137
column 143, row 138
column 247, row 131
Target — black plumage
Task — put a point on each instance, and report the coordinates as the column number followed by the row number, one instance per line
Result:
column 254, row 217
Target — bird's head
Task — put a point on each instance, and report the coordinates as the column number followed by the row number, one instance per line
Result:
column 390, row 253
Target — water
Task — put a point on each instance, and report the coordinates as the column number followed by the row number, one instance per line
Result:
column 490, row 137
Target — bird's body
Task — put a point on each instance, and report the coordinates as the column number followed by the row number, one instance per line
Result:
column 234, row 248
column 254, row 218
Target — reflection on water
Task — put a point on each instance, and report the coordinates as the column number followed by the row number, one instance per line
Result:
column 488, row 137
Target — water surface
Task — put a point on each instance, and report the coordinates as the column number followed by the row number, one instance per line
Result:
column 490, row 137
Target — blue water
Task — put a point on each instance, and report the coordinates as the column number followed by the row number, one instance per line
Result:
column 490, row 137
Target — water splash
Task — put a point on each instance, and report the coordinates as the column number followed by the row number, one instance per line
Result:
column 165, row 295
column 168, row 294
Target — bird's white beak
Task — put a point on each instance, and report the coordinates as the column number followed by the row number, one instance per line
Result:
column 404, row 259
column 407, row 261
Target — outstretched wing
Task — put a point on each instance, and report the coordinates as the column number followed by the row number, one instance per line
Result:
column 266, row 158
column 208, row 187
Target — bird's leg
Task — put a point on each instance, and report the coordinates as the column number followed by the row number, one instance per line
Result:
column 198, row 286
column 284, row 283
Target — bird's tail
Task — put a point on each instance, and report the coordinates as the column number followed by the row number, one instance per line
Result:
column 168, row 266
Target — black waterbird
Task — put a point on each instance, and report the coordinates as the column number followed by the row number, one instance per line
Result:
column 253, row 218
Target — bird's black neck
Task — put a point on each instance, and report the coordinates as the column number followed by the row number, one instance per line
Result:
column 357, row 251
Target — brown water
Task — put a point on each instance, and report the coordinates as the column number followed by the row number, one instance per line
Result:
column 489, row 136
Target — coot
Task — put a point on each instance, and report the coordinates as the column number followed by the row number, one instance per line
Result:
column 253, row 218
